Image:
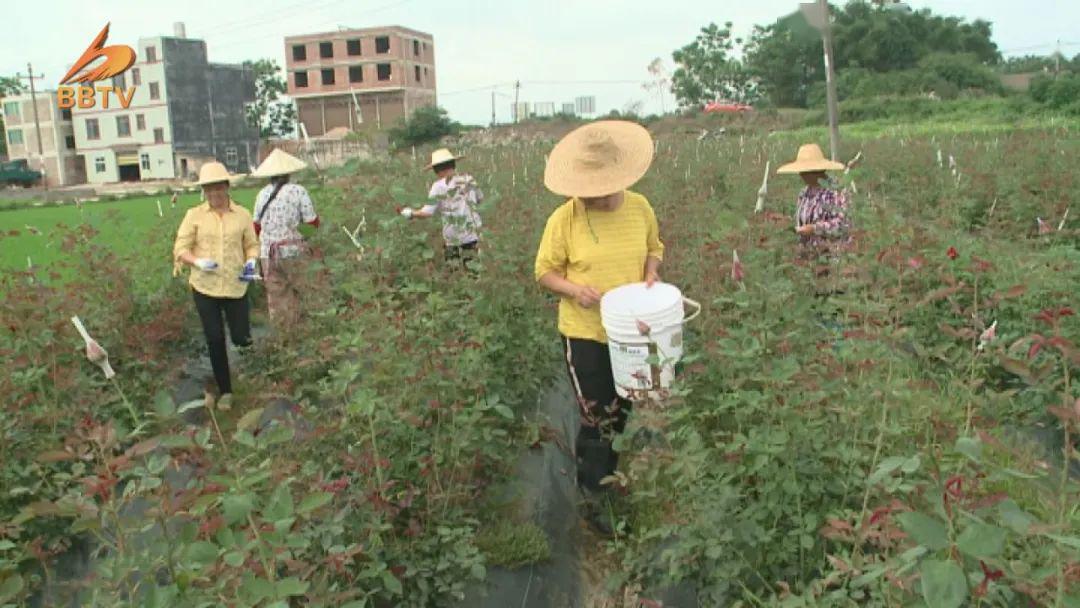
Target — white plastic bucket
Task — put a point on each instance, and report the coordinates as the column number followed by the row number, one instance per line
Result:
column 660, row 307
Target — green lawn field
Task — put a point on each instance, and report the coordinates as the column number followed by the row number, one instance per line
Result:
column 125, row 225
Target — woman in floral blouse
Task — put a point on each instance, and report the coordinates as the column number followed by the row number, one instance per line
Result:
column 822, row 216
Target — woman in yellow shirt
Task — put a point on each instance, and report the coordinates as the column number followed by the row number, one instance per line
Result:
column 215, row 239
column 603, row 237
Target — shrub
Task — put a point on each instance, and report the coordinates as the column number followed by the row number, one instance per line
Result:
column 426, row 124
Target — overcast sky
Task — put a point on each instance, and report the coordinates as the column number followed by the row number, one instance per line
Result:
column 557, row 48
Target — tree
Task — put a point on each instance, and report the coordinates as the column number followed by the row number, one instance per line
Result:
column 708, row 71
column 786, row 57
column 270, row 113
column 427, row 123
column 661, row 81
column 8, row 86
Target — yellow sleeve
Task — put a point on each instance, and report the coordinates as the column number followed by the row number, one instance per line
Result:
column 552, row 254
column 251, row 241
column 652, row 237
column 185, row 241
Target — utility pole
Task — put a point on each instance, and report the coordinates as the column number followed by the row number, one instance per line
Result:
column 37, row 122
column 830, row 84
column 517, row 91
column 1057, row 60
column 493, row 107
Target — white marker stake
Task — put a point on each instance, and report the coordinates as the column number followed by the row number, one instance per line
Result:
column 94, row 352
column 159, row 213
column 1063, row 218
column 764, row 190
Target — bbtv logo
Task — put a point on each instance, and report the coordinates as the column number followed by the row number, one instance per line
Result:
column 117, row 60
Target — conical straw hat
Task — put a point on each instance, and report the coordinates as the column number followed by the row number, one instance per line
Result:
column 810, row 158
column 440, row 156
column 279, row 162
column 599, row 159
column 213, row 173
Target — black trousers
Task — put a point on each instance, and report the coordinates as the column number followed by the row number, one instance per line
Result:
column 603, row 412
column 460, row 254
column 237, row 315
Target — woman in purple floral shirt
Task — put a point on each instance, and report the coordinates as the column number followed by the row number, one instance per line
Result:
column 822, row 217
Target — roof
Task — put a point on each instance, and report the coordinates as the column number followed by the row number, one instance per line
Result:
column 361, row 31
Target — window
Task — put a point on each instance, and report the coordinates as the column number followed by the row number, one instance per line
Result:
column 11, row 109
column 416, row 47
column 159, row 136
column 299, row 52
column 155, row 91
column 14, row 137
column 417, row 69
column 151, row 54
column 119, row 81
column 230, row 156
column 144, row 161
column 123, row 126
column 92, row 129
column 326, row 50
column 99, row 164
column 140, row 122
column 65, row 114
column 353, row 47
column 328, row 76
column 382, row 44
column 384, row 71
column 136, row 76
column 301, row 79
column 70, row 142
column 356, row 73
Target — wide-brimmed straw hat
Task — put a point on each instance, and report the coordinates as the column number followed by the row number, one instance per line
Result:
column 599, row 159
column 214, row 173
column 810, row 159
column 440, row 156
column 279, row 162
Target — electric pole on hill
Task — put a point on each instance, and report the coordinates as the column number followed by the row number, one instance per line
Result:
column 493, row 107
column 37, row 123
column 817, row 15
column 517, row 91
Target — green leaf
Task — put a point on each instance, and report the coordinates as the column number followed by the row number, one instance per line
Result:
column 6, row 544
column 257, row 589
column 943, row 584
column 314, row 501
column 281, row 504
column 202, row 553
column 163, row 405
column 925, row 530
column 10, row 587
column 981, row 540
column 236, row 507
column 391, row 582
column 1014, row 517
column 1068, row 541
column 234, row 559
column 970, row 447
column 191, row 405
column 291, row 586
column 886, row 468
column 250, row 419
column 504, row 411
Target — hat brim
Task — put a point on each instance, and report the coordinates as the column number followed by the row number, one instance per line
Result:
column 562, row 177
column 809, row 166
column 443, row 162
column 229, row 180
column 278, row 163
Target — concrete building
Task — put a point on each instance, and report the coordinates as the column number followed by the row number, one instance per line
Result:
column 359, row 79
column 59, row 161
column 185, row 111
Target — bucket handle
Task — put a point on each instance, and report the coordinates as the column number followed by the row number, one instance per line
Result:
column 694, row 304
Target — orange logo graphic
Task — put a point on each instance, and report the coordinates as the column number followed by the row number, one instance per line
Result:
column 118, row 59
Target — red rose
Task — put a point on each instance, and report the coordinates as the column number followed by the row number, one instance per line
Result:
column 952, row 253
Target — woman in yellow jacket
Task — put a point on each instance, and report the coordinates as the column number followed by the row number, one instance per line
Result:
column 217, row 239
column 603, row 237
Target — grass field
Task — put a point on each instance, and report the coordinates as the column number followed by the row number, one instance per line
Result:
column 125, row 225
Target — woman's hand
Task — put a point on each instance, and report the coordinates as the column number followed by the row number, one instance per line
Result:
column 586, row 296
column 805, row 229
column 651, row 277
